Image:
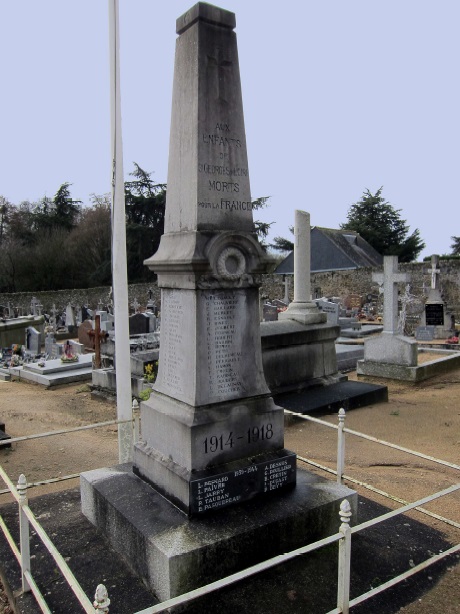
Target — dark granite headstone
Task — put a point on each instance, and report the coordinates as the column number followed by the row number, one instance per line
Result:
column 139, row 324
column 270, row 313
column 434, row 314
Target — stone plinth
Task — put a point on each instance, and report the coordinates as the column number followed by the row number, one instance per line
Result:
column 174, row 555
column 392, row 349
column 414, row 374
column 296, row 356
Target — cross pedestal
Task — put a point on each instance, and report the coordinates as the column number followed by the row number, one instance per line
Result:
column 389, row 348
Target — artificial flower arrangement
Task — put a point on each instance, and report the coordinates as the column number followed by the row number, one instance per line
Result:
column 150, row 372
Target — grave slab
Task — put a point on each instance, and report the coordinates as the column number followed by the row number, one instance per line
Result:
column 173, row 555
column 348, row 394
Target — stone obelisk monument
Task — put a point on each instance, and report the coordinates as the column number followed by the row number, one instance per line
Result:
column 211, row 487
column 210, row 421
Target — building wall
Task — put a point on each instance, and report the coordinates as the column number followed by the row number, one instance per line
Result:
column 335, row 283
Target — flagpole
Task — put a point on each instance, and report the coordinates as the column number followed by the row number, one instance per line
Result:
column 119, row 271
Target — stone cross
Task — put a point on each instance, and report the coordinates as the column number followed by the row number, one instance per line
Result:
column 33, row 305
column 390, row 278
column 435, row 271
column 135, row 305
column 217, row 62
column 97, row 334
column 54, row 321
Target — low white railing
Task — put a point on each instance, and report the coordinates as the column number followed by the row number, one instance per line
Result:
column 343, row 537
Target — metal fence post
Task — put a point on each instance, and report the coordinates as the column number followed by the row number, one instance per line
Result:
column 136, row 421
column 340, row 446
column 24, row 537
column 343, row 585
column 101, row 599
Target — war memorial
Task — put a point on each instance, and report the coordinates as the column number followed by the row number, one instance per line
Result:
column 211, row 488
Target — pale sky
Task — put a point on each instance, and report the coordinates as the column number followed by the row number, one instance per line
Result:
column 338, row 96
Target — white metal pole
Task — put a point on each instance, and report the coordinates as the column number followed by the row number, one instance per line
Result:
column 343, row 587
column 24, row 536
column 119, row 270
column 340, row 446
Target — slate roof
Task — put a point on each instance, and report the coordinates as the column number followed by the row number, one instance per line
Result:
column 335, row 250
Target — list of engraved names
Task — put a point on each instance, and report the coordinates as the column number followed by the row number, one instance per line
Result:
column 172, row 340
column 223, row 354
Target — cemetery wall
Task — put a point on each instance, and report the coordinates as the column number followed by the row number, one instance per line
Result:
column 333, row 283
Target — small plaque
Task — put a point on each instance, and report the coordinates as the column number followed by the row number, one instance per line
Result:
column 246, row 480
column 424, row 333
column 434, row 314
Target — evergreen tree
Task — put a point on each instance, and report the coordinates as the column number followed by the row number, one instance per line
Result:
column 381, row 225
column 455, row 246
column 145, row 210
column 281, row 244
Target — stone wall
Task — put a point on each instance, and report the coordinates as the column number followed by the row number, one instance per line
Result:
column 334, row 283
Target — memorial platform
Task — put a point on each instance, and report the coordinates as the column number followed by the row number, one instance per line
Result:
column 55, row 372
column 174, row 554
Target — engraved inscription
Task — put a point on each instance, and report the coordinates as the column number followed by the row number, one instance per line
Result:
column 218, row 169
column 276, row 474
column 227, row 439
column 242, row 483
column 228, row 205
column 172, row 341
column 223, row 355
column 223, row 178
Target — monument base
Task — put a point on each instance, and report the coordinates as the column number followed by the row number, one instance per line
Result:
column 305, row 313
column 203, row 491
column 174, row 554
column 419, row 373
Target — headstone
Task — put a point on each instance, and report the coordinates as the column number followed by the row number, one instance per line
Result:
column 33, row 340
column 85, row 313
column 139, row 324
column 76, row 347
column 69, row 317
column 424, row 333
column 210, row 407
column 49, row 341
column 270, row 313
column 353, row 302
column 57, row 349
column 83, row 334
column 330, row 309
column 435, row 311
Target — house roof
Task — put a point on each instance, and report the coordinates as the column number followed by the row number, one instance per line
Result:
column 335, row 250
